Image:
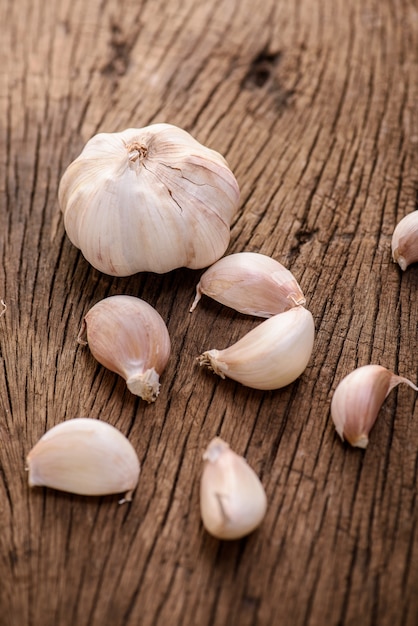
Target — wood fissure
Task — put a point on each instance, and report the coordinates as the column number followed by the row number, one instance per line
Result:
column 313, row 104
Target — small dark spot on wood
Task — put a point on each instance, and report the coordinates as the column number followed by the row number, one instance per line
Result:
column 66, row 26
column 263, row 75
column 302, row 236
column 13, row 556
column 120, row 51
column 261, row 69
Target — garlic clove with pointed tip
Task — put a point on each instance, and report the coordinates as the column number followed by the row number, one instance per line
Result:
column 148, row 199
column 84, row 456
column 233, row 502
column 130, row 338
column 250, row 283
column 357, row 401
column 405, row 241
column 270, row 356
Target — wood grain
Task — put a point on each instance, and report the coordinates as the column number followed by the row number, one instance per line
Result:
column 314, row 105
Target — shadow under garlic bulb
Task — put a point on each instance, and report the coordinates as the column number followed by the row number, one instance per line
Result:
column 148, row 199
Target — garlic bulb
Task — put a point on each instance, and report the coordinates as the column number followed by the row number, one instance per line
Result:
column 250, row 283
column 84, row 456
column 148, row 199
column 232, row 499
column 271, row 355
column 130, row 338
column 357, row 401
column 405, row 241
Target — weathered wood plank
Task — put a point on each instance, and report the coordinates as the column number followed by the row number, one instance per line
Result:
column 313, row 104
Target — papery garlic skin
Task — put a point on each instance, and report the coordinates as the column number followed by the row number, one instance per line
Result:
column 270, row 356
column 84, row 456
column 148, row 199
column 405, row 241
column 251, row 283
column 357, row 401
column 129, row 337
column 233, row 502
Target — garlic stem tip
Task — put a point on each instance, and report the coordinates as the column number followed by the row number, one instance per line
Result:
column 297, row 301
column 127, row 497
column 196, row 300
column 82, row 333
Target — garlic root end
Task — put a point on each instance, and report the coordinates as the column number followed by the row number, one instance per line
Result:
column 361, row 442
column 146, row 385
column 209, row 359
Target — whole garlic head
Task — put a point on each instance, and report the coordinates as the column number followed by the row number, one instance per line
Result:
column 149, row 199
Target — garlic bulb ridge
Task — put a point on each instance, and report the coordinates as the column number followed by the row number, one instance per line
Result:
column 84, row 456
column 130, row 338
column 251, row 283
column 149, row 199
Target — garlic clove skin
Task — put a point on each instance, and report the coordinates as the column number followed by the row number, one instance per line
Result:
column 148, row 199
column 357, row 401
column 270, row 356
column 251, row 283
column 233, row 502
column 405, row 241
column 129, row 337
column 84, row 456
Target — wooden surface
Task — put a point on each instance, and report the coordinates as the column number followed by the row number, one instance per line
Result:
column 314, row 105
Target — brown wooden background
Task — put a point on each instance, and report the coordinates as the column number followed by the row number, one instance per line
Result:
column 314, row 105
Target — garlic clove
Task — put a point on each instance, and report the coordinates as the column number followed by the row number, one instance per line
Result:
column 357, row 401
column 84, row 456
column 148, row 199
column 270, row 356
column 250, row 283
column 233, row 502
column 130, row 338
column 405, row 241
